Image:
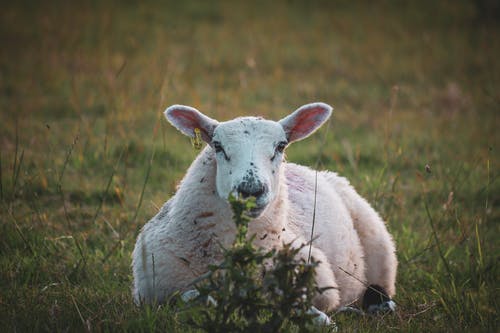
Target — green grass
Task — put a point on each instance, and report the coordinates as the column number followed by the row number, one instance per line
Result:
column 87, row 157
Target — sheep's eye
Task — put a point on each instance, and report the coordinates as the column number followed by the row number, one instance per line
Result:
column 217, row 146
column 218, row 149
column 281, row 146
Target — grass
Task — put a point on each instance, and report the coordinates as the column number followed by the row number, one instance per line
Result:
column 86, row 156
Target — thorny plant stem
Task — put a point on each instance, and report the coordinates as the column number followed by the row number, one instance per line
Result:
column 314, row 215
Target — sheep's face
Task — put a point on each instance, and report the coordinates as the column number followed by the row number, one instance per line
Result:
column 249, row 153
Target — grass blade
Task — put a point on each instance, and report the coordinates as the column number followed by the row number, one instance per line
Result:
column 436, row 240
column 146, row 178
column 139, row 204
column 1, row 177
column 70, row 227
column 16, row 172
column 68, row 156
column 108, row 185
column 19, row 231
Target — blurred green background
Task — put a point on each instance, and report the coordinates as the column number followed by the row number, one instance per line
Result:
column 87, row 156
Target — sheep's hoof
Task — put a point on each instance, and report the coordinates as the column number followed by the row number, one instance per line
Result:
column 376, row 300
column 192, row 294
column 350, row 309
column 189, row 295
column 321, row 318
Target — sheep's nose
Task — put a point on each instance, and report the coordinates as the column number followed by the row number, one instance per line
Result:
column 251, row 190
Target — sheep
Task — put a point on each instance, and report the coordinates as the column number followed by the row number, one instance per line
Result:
column 245, row 156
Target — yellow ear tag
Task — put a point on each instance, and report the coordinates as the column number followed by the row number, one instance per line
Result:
column 196, row 141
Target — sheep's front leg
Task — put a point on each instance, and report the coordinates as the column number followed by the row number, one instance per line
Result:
column 329, row 299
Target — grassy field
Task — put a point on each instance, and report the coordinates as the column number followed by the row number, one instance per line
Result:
column 87, row 157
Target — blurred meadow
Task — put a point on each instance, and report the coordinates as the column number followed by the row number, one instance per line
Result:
column 87, row 157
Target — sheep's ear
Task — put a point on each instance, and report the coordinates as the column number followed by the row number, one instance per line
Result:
column 305, row 120
column 186, row 119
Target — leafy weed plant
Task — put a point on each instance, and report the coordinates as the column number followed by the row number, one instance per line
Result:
column 246, row 297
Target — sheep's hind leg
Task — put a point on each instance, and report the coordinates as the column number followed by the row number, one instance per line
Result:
column 376, row 300
column 380, row 258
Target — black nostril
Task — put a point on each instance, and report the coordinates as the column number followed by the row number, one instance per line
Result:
column 251, row 190
column 258, row 192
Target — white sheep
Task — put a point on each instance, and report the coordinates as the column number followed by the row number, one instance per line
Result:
column 245, row 156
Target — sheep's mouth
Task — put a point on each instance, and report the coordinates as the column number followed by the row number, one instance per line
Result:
column 260, row 202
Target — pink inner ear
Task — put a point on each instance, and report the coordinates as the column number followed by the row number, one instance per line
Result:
column 185, row 120
column 306, row 122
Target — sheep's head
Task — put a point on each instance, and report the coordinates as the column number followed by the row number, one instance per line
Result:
column 249, row 150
